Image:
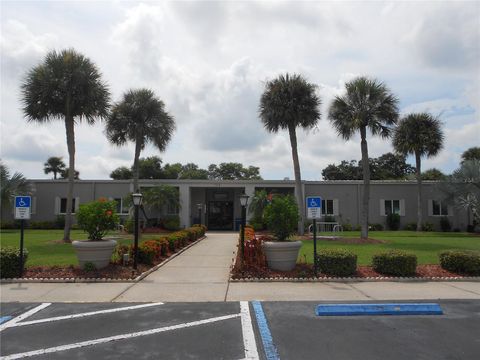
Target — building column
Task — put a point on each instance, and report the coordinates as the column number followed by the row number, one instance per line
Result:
column 185, row 208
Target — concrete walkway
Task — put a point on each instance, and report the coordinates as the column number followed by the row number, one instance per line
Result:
column 201, row 274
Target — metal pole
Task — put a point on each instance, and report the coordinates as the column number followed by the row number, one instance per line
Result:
column 200, row 216
column 242, row 232
column 315, row 265
column 135, row 248
column 22, row 227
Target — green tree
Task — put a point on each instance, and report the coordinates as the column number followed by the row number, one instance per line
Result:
column 65, row 86
column 433, row 174
column 157, row 197
column 11, row 186
column 54, row 165
column 418, row 134
column 172, row 171
column 121, row 173
column 233, row 171
column 192, row 171
column 257, row 205
column 64, row 174
column 289, row 102
column 471, row 154
column 281, row 216
column 367, row 105
column 390, row 167
column 346, row 170
column 149, row 168
column 141, row 118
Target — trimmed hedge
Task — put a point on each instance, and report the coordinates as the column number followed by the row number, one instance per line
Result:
column 461, row 262
column 337, row 262
column 10, row 261
column 395, row 262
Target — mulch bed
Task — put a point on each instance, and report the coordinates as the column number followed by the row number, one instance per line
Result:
column 305, row 271
column 64, row 272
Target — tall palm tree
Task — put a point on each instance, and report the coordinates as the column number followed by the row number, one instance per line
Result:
column 418, row 134
column 11, row 186
column 54, row 165
column 367, row 105
column 141, row 118
column 288, row 102
column 66, row 86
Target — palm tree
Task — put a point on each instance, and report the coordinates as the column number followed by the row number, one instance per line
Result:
column 367, row 105
column 66, row 86
column 258, row 203
column 54, row 165
column 289, row 102
column 418, row 134
column 11, row 186
column 141, row 118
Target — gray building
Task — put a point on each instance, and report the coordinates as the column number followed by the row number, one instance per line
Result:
column 216, row 203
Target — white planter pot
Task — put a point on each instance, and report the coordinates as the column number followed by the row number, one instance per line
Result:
column 96, row 252
column 282, row 255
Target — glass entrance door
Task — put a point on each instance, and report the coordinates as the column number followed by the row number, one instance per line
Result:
column 220, row 215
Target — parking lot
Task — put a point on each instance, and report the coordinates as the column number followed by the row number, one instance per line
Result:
column 232, row 330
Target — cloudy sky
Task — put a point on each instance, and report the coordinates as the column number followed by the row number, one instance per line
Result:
column 208, row 61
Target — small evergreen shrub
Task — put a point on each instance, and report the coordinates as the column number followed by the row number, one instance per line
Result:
column 337, row 262
column 395, row 262
column 427, row 226
column 89, row 266
column 376, row 227
column 445, row 224
column 281, row 216
column 461, row 262
column 347, row 227
column 411, row 227
column 10, row 261
column 393, row 221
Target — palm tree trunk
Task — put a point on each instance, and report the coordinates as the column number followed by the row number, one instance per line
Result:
column 136, row 170
column 419, row 193
column 70, row 129
column 366, row 183
column 298, row 179
column 54, row 175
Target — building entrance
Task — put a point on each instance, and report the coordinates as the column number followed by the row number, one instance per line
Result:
column 220, row 215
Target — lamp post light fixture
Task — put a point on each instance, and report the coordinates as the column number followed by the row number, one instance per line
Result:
column 137, row 201
column 200, row 207
column 243, row 203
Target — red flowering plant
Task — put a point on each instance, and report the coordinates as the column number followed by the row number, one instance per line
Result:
column 97, row 218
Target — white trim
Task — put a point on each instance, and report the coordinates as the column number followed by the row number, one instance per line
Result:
column 247, row 331
column 57, row 205
column 23, row 316
column 335, row 207
column 117, row 337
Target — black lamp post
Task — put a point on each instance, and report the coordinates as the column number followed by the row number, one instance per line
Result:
column 243, row 202
column 200, row 207
column 137, row 201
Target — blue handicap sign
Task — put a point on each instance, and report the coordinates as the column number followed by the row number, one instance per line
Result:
column 314, row 202
column 22, row 201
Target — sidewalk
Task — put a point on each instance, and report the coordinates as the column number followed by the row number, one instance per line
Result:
column 201, row 274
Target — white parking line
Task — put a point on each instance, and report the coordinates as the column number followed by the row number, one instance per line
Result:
column 247, row 330
column 116, row 338
column 75, row 316
column 23, row 316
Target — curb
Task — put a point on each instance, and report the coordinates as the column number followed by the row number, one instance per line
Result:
column 100, row 280
column 354, row 279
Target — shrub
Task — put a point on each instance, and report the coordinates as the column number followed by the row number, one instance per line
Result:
column 281, row 216
column 376, row 227
column 89, row 266
column 171, row 223
column 120, row 250
column 347, row 227
column 60, row 222
column 10, row 261
column 427, row 226
column 393, row 221
column 148, row 251
column 462, row 262
column 97, row 218
column 358, row 227
column 395, row 262
column 411, row 227
column 445, row 224
column 337, row 262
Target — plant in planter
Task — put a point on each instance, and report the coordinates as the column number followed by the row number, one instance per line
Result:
column 96, row 218
column 281, row 217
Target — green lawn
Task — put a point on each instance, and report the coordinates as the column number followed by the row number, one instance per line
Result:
column 45, row 246
column 426, row 245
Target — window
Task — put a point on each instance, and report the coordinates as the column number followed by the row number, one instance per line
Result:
column 439, row 208
column 120, row 208
column 172, row 209
column 327, row 207
column 392, row 207
column 63, row 205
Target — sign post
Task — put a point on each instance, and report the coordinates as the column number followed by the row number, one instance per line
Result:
column 314, row 212
column 22, row 212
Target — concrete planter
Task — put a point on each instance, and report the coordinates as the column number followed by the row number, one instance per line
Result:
column 96, row 252
column 282, row 256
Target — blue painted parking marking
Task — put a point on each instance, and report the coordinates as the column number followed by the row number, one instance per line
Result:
column 271, row 352
column 378, row 309
column 5, row 319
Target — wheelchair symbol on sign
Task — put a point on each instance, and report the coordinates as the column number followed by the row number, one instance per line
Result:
column 313, row 203
column 22, row 203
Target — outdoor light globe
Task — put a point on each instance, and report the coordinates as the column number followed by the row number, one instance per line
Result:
column 137, row 199
column 244, row 199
